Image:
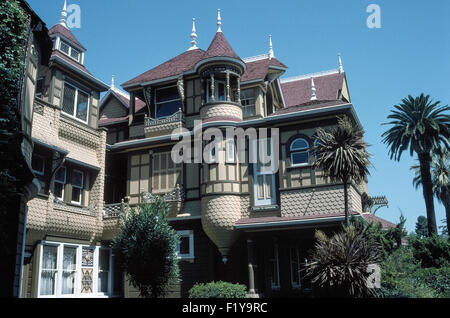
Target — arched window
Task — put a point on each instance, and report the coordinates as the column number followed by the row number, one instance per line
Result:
column 299, row 150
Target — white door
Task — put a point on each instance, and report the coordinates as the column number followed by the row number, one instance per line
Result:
column 263, row 173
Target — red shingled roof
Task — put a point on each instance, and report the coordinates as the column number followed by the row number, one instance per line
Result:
column 71, row 61
column 179, row 64
column 258, row 69
column 272, row 219
column 375, row 219
column 220, row 47
column 297, row 92
column 316, row 104
column 58, row 28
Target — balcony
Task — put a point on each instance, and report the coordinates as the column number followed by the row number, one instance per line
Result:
column 163, row 126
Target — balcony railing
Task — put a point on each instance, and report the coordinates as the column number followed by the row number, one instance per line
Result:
column 115, row 209
column 174, row 118
column 177, row 194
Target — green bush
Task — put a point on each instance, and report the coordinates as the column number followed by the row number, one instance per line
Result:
column 433, row 251
column 145, row 248
column 218, row 289
column 403, row 277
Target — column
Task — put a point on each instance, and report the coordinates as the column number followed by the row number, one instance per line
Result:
column 238, row 90
column 211, row 93
column 252, row 268
column 228, row 86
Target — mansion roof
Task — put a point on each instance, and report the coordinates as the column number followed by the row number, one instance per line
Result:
column 60, row 29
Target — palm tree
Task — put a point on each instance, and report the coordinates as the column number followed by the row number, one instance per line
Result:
column 419, row 124
column 342, row 154
column 440, row 178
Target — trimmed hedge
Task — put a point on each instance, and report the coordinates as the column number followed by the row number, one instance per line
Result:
column 218, row 289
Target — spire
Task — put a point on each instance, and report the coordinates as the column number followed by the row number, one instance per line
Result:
column 193, row 37
column 313, row 90
column 219, row 21
column 271, row 55
column 64, row 15
column 112, row 82
column 341, row 69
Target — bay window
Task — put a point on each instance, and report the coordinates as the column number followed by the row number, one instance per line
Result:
column 75, row 102
column 68, row 270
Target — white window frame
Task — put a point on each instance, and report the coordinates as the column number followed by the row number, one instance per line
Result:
column 230, row 149
column 275, row 285
column 78, row 187
column 250, row 104
column 110, row 273
column 293, row 283
column 75, row 103
column 216, row 91
column 165, row 102
column 265, row 200
column 39, row 172
column 190, row 256
column 299, row 150
column 69, row 54
column 59, row 263
column 63, row 184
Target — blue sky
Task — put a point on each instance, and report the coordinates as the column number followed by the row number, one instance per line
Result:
column 409, row 54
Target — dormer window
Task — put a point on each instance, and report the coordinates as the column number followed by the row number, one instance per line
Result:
column 167, row 101
column 69, row 51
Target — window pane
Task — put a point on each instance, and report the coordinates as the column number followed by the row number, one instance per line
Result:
column 167, row 94
column 299, row 157
column 69, row 270
column 82, row 106
column 39, row 86
column 104, row 260
column 220, row 95
column 184, row 245
column 167, row 108
column 103, row 282
column 76, row 195
column 64, row 47
column 299, row 144
column 76, row 178
column 58, row 190
column 49, row 257
column 68, row 99
column 75, row 54
column 37, row 164
column 61, row 175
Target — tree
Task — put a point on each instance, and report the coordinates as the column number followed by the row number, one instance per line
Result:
column 146, row 248
column 342, row 154
column 339, row 264
column 440, row 177
column 420, row 125
column 422, row 226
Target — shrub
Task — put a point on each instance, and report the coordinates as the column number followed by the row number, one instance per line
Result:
column 433, row 251
column 403, row 276
column 339, row 264
column 218, row 289
column 146, row 248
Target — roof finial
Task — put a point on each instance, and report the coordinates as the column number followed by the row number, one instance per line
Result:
column 341, row 69
column 271, row 55
column 219, row 21
column 313, row 90
column 64, row 15
column 112, row 82
column 193, row 36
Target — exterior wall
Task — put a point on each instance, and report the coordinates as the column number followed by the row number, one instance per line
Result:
column 113, row 109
